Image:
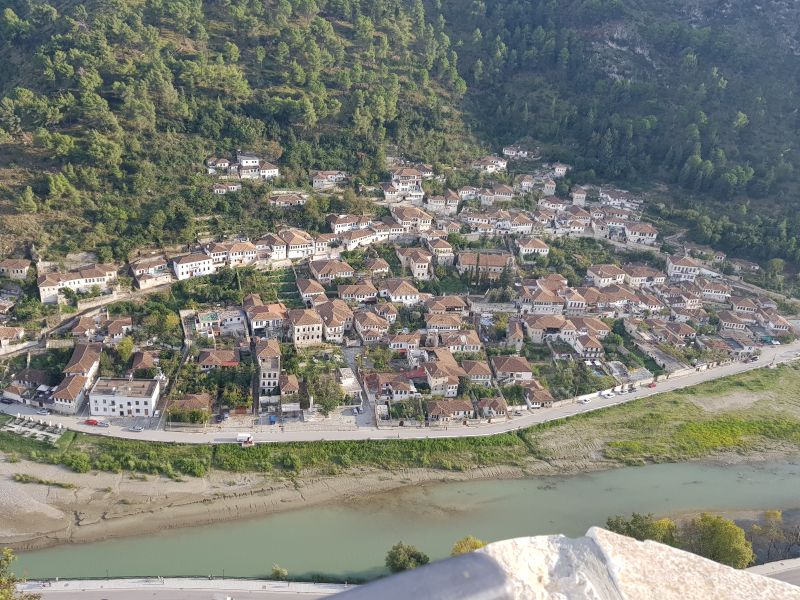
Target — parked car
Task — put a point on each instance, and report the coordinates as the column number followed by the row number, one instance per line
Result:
column 585, row 401
column 607, row 394
column 651, row 385
column 42, row 411
column 103, row 424
column 156, row 413
column 6, row 401
column 91, row 422
column 136, row 428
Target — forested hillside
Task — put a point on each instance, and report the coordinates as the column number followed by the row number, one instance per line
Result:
column 108, row 107
column 702, row 95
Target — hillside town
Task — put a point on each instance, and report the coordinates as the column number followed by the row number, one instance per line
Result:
column 466, row 305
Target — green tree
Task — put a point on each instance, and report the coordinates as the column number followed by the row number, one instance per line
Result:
column 477, row 71
column 645, row 527
column 327, row 394
column 279, row 573
column 9, row 581
column 718, row 539
column 26, row 202
column 261, row 55
column 232, row 52
column 380, row 356
column 466, row 544
column 772, row 534
column 403, row 557
column 125, row 349
column 775, row 267
column 11, row 25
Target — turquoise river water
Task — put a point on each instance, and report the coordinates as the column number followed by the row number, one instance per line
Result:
column 351, row 540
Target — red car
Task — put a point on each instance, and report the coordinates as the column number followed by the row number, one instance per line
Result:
column 91, row 422
column 652, row 385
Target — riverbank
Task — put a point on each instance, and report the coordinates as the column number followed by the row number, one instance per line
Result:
column 347, row 540
column 101, row 506
column 748, row 418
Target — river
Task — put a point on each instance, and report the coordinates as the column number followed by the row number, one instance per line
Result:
column 352, row 540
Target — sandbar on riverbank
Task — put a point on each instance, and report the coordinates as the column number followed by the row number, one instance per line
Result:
column 109, row 505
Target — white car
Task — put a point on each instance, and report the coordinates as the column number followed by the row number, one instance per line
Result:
column 608, row 394
column 586, row 401
column 42, row 411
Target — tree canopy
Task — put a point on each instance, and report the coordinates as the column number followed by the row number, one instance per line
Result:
column 466, row 544
column 9, row 581
column 710, row 536
column 402, row 557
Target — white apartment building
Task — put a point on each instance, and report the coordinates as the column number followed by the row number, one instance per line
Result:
column 110, row 397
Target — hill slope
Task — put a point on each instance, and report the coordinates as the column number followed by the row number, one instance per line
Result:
column 698, row 94
column 108, row 107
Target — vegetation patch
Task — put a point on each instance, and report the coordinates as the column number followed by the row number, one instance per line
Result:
column 25, row 478
column 662, row 428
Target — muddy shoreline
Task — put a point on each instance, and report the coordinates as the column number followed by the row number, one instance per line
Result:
column 102, row 506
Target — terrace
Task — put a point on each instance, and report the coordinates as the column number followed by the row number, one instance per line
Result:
column 34, row 429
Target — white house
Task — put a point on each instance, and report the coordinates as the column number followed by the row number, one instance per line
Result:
column 682, row 268
column 490, row 164
column 69, row 394
column 80, row 280
column 640, row 233
column 193, row 265
column 578, row 196
column 605, row 275
column 526, row 246
column 325, row 180
column 515, row 151
column 399, row 291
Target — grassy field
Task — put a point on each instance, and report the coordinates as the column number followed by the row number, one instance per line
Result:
column 749, row 413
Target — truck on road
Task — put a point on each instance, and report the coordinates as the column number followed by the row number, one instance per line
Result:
column 245, row 439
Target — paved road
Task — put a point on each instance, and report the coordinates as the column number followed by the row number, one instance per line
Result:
column 173, row 594
column 181, row 589
column 784, row 570
column 266, row 433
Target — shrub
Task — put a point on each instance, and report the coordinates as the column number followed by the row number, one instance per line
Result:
column 403, row 557
column 191, row 466
column 78, row 462
column 279, row 573
column 291, row 462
